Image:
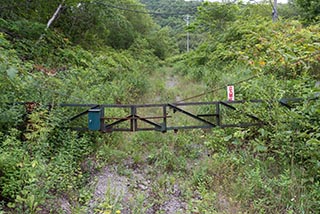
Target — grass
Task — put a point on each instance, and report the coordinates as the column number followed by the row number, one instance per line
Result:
column 171, row 162
column 201, row 171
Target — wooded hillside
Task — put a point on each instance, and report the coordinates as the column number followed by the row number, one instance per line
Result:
column 127, row 51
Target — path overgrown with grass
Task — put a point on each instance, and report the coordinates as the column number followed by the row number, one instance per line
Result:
column 153, row 172
column 115, row 56
column 194, row 171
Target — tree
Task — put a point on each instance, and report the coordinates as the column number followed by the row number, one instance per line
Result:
column 310, row 8
column 214, row 17
column 88, row 23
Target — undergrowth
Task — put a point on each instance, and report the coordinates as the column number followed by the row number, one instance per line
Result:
column 269, row 169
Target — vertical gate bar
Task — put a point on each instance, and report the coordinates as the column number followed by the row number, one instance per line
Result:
column 218, row 116
column 133, row 120
column 101, row 118
column 102, row 125
column 164, row 126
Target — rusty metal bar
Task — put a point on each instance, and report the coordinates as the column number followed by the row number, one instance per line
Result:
column 164, row 124
column 149, row 122
column 109, row 126
column 241, row 125
column 207, row 115
column 188, row 127
column 82, row 113
column 102, row 125
column 191, row 115
column 234, row 108
column 152, row 105
column 133, row 119
column 283, row 100
column 129, row 130
column 218, row 117
column 118, row 130
column 147, row 118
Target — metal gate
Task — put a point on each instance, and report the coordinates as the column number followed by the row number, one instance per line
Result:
column 161, row 117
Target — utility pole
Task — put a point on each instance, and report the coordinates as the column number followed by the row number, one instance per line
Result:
column 274, row 11
column 187, row 19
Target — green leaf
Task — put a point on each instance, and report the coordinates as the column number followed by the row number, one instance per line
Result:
column 261, row 148
column 313, row 142
column 12, row 72
column 11, row 205
column 227, row 138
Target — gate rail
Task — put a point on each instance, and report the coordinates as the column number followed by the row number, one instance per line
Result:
column 97, row 121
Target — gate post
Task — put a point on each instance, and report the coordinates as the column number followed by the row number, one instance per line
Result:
column 133, row 120
column 102, row 124
column 218, row 118
column 164, row 124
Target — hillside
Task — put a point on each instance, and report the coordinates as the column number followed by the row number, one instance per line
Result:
column 134, row 52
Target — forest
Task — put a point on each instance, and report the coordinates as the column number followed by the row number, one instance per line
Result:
column 159, row 51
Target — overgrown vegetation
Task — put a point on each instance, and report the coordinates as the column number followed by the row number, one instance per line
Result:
column 275, row 168
column 107, row 52
column 41, row 161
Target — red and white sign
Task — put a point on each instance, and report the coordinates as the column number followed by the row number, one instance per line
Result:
column 230, row 92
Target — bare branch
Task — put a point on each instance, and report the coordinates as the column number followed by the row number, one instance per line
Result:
column 54, row 16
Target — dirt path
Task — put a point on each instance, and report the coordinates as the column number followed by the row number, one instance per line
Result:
column 122, row 193
column 113, row 189
column 109, row 184
column 130, row 187
column 168, row 87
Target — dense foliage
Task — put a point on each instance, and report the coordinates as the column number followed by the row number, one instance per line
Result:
column 104, row 51
column 280, row 60
column 92, row 53
column 173, row 16
column 310, row 8
column 38, row 158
